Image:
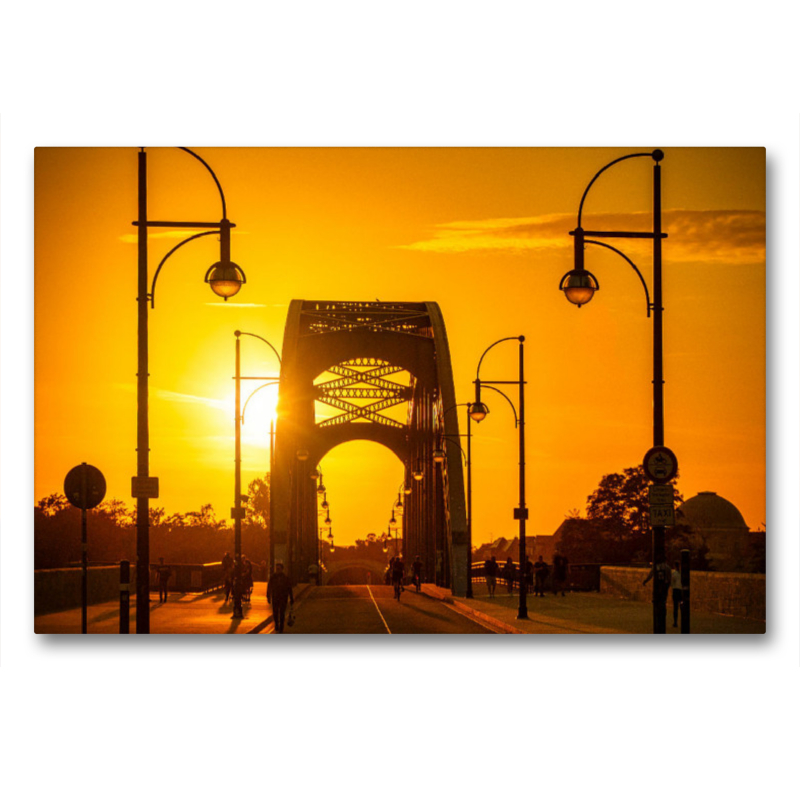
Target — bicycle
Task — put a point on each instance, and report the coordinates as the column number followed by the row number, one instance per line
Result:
column 398, row 588
column 417, row 581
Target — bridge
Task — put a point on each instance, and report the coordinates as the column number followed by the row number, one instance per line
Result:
column 371, row 363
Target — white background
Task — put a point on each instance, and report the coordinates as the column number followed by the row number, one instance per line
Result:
column 581, row 716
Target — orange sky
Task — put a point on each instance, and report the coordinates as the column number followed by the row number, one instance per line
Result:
column 484, row 232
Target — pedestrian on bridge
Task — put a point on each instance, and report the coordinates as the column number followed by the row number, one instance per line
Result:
column 490, row 572
column 227, row 575
column 279, row 592
column 164, row 574
column 560, row 573
column 509, row 571
column 541, row 571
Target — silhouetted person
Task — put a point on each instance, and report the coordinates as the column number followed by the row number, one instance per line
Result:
column 164, row 574
column 227, row 575
column 541, row 571
column 398, row 573
column 279, row 592
column 663, row 580
column 677, row 593
column 508, row 574
column 387, row 578
column 247, row 577
column 416, row 572
column 238, row 588
column 560, row 573
column 490, row 571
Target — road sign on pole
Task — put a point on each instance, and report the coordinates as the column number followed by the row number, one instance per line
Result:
column 660, row 464
column 84, row 487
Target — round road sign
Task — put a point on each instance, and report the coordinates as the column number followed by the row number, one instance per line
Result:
column 660, row 464
column 85, row 486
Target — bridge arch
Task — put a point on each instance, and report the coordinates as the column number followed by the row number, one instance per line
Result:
column 363, row 345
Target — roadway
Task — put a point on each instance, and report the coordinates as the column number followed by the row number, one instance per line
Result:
column 373, row 609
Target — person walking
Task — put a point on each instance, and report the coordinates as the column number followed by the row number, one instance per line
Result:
column 541, row 571
column 508, row 574
column 398, row 573
column 560, row 573
column 490, row 571
column 248, row 578
column 662, row 573
column 227, row 575
column 279, row 592
column 416, row 573
column 677, row 593
column 164, row 574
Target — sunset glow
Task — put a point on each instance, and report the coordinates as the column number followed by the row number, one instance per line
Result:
column 483, row 232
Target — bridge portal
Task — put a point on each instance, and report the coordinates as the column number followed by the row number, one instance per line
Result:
column 384, row 369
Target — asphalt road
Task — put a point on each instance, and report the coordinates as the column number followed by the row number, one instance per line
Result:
column 373, row 609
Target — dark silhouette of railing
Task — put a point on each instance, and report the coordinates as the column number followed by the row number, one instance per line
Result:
column 581, row 577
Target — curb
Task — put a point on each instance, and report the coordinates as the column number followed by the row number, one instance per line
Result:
column 436, row 593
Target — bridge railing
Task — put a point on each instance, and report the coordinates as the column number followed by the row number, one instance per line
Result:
column 581, row 577
column 190, row 578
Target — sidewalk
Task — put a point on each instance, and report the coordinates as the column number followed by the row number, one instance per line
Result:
column 182, row 613
column 580, row 612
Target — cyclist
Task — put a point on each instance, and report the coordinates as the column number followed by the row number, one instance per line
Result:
column 416, row 573
column 398, row 573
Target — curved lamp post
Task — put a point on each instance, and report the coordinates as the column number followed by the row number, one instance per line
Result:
column 225, row 279
column 579, row 286
column 237, row 512
column 478, row 412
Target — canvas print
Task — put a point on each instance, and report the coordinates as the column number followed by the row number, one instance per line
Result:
column 400, row 390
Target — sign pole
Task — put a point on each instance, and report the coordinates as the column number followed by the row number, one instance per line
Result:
column 84, row 555
column 124, row 596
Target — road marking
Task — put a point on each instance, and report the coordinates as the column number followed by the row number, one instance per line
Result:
column 377, row 609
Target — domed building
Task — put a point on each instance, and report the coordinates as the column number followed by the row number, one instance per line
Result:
column 722, row 526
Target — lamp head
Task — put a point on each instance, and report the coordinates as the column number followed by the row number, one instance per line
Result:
column 439, row 455
column 478, row 411
column 579, row 286
column 225, row 278
column 302, row 455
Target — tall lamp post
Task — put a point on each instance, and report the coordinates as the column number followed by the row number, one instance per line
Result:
column 478, row 412
column 225, row 279
column 579, row 286
column 237, row 512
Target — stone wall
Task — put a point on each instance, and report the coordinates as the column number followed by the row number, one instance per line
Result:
column 59, row 589
column 733, row 593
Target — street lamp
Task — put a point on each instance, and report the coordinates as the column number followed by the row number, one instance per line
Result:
column 237, row 512
column 225, row 279
column 579, row 286
column 478, row 412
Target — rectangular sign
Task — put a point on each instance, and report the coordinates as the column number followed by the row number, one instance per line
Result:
column 144, row 487
column 662, row 515
column 662, row 495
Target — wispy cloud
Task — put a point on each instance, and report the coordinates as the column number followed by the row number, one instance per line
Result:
column 177, row 397
column 721, row 236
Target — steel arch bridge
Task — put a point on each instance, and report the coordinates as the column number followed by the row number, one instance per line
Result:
column 362, row 365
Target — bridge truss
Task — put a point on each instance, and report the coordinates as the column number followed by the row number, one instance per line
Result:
column 379, row 372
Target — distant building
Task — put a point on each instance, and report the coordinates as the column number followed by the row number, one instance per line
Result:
column 732, row 546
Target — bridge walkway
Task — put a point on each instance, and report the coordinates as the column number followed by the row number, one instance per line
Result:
column 582, row 612
column 373, row 609
column 182, row 613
